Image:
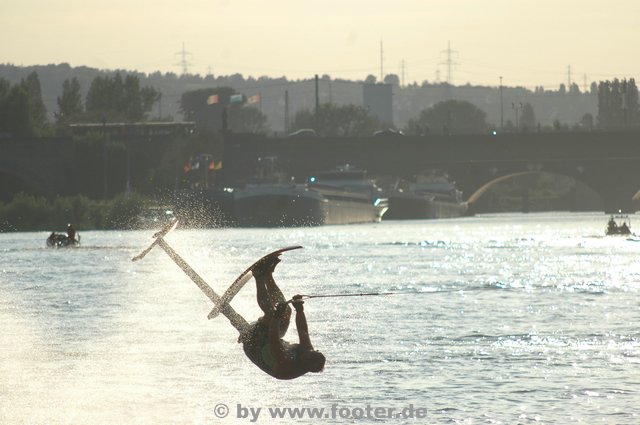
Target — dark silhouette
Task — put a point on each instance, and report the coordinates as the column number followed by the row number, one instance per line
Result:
column 70, row 107
column 71, row 233
column 614, row 229
column 618, row 104
column 118, row 99
column 453, row 116
column 263, row 342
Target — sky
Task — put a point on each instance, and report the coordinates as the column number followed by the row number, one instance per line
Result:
column 527, row 43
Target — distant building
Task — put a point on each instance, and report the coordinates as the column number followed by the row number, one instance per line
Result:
column 377, row 99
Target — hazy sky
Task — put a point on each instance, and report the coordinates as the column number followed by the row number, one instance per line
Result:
column 529, row 43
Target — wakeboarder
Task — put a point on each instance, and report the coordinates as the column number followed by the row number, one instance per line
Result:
column 262, row 341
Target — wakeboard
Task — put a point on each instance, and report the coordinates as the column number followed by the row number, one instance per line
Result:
column 244, row 277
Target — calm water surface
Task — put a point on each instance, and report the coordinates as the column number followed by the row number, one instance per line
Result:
column 518, row 319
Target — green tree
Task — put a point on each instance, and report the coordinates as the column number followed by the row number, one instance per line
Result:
column 574, row 89
column 22, row 112
column 115, row 99
column 392, row 79
column 618, row 104
column 37, row 110
column 630, row 103
column 137, row 102
column 586, row 123
column 246, row 119
column 528, row 118
column 18, row 120
column 449, row 117
column 70, row 107
column 562, row 89
column 5, row 89
column 604, row 104
column 337, row 121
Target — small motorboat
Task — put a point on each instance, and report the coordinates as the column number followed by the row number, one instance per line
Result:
column 62, row 240
column 619, row 225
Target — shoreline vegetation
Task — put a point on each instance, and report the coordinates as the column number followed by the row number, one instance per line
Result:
column 35, row 213
column 27, row 212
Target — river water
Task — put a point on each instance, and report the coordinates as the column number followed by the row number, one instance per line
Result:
column 523, row 318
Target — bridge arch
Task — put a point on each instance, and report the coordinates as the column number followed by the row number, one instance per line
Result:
column 586, row 190
column 485, row 187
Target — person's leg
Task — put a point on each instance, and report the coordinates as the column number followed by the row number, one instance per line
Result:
column 275, row 294
column 277, row 297
column 269, row 294
column 263, row 274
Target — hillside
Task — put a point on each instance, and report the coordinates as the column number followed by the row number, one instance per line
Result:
column 408, row 101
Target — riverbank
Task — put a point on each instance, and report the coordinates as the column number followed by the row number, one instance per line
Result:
column 32, row 213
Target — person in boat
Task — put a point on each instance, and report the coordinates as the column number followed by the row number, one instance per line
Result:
column 612, row 226
column 624, row 228
column 262, row 341
column 71, row 233
column 52, row 239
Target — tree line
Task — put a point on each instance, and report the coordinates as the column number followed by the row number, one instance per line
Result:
column 22, row 112
column 121, row 98
column 617, row 108
column 109, row 99
column 567, row 104
column 28, row 212
column 618, row 104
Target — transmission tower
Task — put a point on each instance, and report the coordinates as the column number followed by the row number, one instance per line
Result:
column 584, row 82
column 449, row 62
column 381, row 62
column 184, row 63
column 403, row 66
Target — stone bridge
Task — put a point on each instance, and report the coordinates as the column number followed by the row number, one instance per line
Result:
column 111, row 156
column 607, row 162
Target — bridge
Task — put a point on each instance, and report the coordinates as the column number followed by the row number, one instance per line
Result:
column 607, row 162
column 39, row 166
column 111, row 156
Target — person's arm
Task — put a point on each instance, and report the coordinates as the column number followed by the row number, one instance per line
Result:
column 301, row 324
